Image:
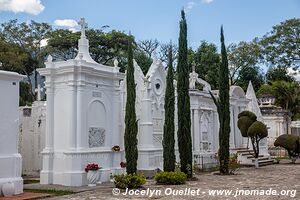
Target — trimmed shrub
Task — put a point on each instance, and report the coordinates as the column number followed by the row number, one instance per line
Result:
column 249, row 114
column 129, row 181
column 291, row 143
column 258, row 129
column 244, row 123
column 170, row 178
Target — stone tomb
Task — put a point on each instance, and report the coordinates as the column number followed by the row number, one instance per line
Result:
column 86, row 110
column 10, row 159
column 82, row 118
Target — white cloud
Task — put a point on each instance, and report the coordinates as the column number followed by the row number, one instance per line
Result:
column 33, row 7
column 207, row 1
column 294, row 73
column 189, row 6
column 71, row 23
column 73, row 30
column 44, row 42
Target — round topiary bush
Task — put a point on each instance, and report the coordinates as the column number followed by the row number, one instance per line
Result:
column 249, row 114
column 289, row 142
column 244, row 122
column 258, row 129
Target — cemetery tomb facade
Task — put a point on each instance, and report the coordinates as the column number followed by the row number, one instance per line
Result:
column 10, row 159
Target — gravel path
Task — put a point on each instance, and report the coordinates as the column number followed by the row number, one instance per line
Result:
column 274, row 178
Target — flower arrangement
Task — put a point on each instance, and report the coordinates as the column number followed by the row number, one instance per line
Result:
column 116, row 148
column 123, row 164
column 92, row 166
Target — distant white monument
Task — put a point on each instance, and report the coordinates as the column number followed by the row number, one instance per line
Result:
column 10, row 159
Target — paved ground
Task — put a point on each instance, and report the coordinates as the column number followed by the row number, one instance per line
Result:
column 274, row 178
column 26, row 196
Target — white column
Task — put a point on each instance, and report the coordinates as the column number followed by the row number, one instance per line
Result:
column 146, row 124
column 196, row 130
column 73, row 117
column 232, row 143
column 80, row 128
column 50, row 116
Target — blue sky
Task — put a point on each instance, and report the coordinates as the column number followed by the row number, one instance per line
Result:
column 149, row 19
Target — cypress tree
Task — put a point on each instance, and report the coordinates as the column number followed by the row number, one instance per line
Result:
column 131, row 129
column 223, row 108
column 184, row 115
column 169, row 127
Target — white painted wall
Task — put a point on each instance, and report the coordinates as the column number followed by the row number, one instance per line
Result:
column 10, row 159
column 32, row 137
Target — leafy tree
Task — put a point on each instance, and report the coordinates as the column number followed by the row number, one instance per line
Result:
column 131, row 129
column 286, row 94
column 252, row 74
column 104, row 47
column 279, row 74
column 169, row 127
column 253, row 129
column 29, row 38
column 223, row 109
column 13, row 57
column 291, row 143
column 207, row 61
column 143, row 60
column 184, row 115
column 63, row 44
column 281, row 46
column 243, row 56
column 25, row 98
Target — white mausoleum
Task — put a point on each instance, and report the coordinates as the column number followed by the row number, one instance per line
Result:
column 83, row 117
column 86, row 110
column 10, row 159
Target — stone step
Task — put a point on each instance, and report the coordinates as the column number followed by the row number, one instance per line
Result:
column 260, row 159
column 244, row 151
column 266, row 162
column 247, row 153
column 251, row 156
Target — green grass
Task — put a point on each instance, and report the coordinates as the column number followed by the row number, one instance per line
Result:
column 51, row 191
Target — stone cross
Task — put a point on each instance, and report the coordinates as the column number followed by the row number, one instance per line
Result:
column 38, row 90
column 83, row 26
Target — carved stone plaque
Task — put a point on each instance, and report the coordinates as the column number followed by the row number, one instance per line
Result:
column 96, row 137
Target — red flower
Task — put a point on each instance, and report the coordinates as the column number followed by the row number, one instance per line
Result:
column 91, row 166
column 123, row 164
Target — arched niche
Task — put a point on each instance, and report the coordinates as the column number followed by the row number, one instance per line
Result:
column 237, row 92
column 97, row 117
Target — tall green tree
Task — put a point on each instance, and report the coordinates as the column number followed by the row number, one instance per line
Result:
column 223, row 109
column 184, row 113
column 252, row 74
column 281, row 46
column 29, row 37
column 169, row 127
column 131, row 128
column 104, row 46
column 207, row 61
column 242, row 57
column 279, row 74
